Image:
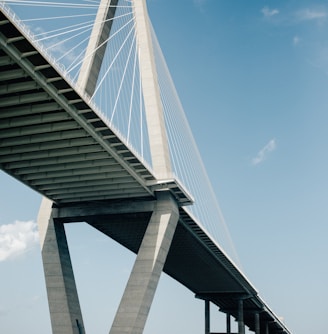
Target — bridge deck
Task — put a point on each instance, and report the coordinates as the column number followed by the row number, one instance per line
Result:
column 53, row 141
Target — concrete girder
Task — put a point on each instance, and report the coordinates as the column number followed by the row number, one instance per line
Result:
column 12, row 75
column 45, row 146
column 53, row 79
column 22, row 121
column 77, row 178
column 77, row 172
column 103, row 196
column 14, row 39
column 10, row 88
column 23, row 99
column 71, row 165
column 29, row 109
column 110, row 186
column 41, row 67
column 29, row 53
column 101, row 209
column 56, row 160
column 65, row 90
column 4, row 21
column 75, row 134
column 130, row 192
column 5, row 60
column 51, row 153
column 89, row 183
column 37, row 129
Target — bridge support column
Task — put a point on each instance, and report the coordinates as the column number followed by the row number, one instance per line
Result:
column 207, row 317
column 64, row 306
column 140, row 290
column 241, row 326
column 228, row 323
column 267, row 328
column 257, row 323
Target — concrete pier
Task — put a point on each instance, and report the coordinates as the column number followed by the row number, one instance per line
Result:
column 140, row 290
column 64, row 306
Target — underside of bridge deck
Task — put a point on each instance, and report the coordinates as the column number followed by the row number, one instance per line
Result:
column 52, row 139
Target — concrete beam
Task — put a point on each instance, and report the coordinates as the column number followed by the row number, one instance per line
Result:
column 77, row 212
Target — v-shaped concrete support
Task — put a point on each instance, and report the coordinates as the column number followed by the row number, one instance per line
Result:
column 65, row 312
column 141, row 287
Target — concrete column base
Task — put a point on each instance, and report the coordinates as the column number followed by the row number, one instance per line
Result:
column 65, row 312
column 140, row 290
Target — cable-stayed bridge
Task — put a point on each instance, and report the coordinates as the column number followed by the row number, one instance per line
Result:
column 105, row 140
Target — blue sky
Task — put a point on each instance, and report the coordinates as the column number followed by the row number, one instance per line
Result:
column 253, row 78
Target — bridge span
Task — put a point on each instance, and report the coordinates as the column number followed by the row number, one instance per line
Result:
column 54, row 141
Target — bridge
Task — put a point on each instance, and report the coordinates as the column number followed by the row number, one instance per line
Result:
column 56, row 140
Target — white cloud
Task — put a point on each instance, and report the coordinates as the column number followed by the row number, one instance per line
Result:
column 262, row 154
column 267, row 12
column 311, row 14
column 56, row 46
column 296, row 40
column 319, row 60
column 17, row 238
column 200, row 4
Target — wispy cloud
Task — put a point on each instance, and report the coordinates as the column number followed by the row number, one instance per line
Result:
column 200, row 3
column 320, row 59
column 57, row 46
column 268, row 12
column 296, row 40
column 310, row 14
column 17, row 238
column 262, row 154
